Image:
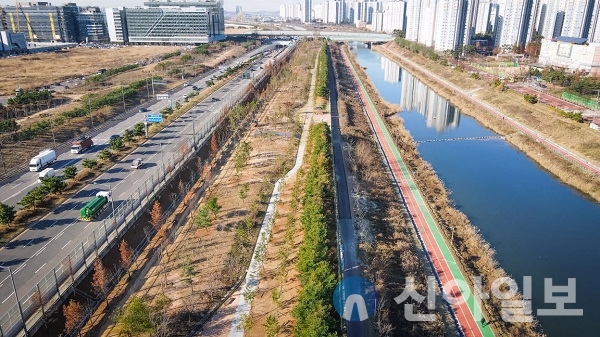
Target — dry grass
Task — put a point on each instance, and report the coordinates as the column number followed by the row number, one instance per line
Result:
column 387, row 241
column 46, row 68
column 577, row 137
column 474, row 254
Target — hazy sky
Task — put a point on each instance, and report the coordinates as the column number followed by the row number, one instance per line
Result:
column 247, row 5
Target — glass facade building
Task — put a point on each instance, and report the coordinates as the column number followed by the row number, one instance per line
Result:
column 176, row 22
column 41, row 22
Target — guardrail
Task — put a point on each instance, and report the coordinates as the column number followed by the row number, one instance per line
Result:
column 23, row 316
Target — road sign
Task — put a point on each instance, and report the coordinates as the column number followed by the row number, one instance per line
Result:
column 154, row 118
column 162, row 96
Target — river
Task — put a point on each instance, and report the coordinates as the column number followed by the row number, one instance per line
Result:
column 538, row 226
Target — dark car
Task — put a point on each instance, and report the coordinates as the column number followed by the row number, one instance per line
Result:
column 143, row 110
column 113, row 137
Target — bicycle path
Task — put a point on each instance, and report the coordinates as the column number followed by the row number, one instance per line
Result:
column 467, row 312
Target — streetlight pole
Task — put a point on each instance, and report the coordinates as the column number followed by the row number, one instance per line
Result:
column 597, row 97
column 90, row 112
column 52, row 129
column 123, row 95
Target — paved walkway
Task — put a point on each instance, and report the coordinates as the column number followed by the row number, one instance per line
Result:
column 227, row 320
column 466, row 312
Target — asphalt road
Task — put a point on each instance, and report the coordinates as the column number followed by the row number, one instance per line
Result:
column 34, row 253
column 12, row 190
column 348, row 257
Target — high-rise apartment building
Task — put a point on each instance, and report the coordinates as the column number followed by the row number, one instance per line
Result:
column 307, row 17
column 449, row 25
column 482, row 21
column 427, row 22
column 413, row 17
column 394, row 16
column 594, row 33
column 515, row 23
column 578, row 15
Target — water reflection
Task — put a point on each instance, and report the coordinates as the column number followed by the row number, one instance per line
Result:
column 417, row 96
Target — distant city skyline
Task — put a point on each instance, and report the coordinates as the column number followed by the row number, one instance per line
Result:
column 229, row 5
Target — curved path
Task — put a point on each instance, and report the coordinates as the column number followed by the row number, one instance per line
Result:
column 466, row 311
column 567, row 154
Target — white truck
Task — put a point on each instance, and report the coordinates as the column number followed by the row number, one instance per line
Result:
column 46, row 173
column 43, row 159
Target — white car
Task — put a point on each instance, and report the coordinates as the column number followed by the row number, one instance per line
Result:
column 136, row 163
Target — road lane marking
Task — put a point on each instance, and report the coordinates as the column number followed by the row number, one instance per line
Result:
column 63, row 247
column 16, row 185
column 20, row 267
column 39, row 268
column 40, row 250
column 8, row 297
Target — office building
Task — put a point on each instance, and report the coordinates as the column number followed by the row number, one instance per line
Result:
column 176, row 22
column 116, row 25
column 42, row 22
column 92, row 25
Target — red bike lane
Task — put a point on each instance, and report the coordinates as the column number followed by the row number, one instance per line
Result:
column 462, row 312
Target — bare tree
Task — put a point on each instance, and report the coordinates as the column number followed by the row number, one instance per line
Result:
column 73, row 312
column 126, row 256
column 100, row 279
column 156, row 215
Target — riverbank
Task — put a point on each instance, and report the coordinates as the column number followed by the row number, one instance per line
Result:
column 569, row 134
column 474, row 255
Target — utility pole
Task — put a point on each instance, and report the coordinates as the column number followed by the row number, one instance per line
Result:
column 123, row 95
column 597, row 97
column 147, row 89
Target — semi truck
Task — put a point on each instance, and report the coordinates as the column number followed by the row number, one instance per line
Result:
column 95, row 206
column 46, row 173
column 82, row 144
column 43, row 159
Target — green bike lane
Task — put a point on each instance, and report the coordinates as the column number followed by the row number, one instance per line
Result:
column 467, row 311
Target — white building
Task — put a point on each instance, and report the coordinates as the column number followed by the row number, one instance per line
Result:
column 553, row 19
column 394, row 16
column 572, row 54
column 449, row 24
column 377, row 22
column 594, row 34
column 427, row 22
column 578, row 16
column 515, row 23
column 307, row 11
column 482, row 21
column 320, row 12
column 115, row 22
column 413, row 17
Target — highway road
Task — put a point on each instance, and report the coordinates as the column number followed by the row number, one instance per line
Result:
column 13, row 189
column 34, row 253
column 466, row 311
column 566, row 153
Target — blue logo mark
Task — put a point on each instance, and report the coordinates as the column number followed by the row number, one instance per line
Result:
column 355, row 298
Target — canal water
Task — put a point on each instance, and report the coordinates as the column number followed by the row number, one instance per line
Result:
column 538, row 226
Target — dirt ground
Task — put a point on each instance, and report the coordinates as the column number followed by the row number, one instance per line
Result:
column 31, row 71
column 209, row 250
